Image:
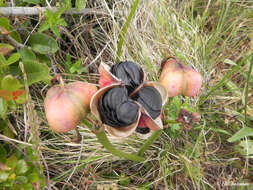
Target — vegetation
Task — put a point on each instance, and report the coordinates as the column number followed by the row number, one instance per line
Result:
column 214, row 37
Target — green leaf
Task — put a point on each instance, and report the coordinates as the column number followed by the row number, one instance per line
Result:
column 244, row 132
column 222, row 81
column 124, row 30
column 36, row 72
column 42, row 43
column 3, row 4
column 33, row 177
column 10, row 83
column 77, row 67
column 34, row 2
column 2, row 60
column 246, row 148
column 3, row 153
column 55, row 30
column 43, row 58
column 27, row 186
column 5, row 48
column 21, row 179
column 12, row 161
column 32, row 155
column 3, row 108
column 3, row 176
column 27, row 54
column 124, row 180
column 66, row 5
column 44, row 27
column 8, row 132
column 22, row 167
column 80, row 4
column 4, row 22
column 221, row 131
column 13, row 58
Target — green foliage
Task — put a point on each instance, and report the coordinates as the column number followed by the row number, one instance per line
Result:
column 244, row 132
column 12, row 59
column 36, row 72
column 66, row 4
column 245, row 148
column 43, row 44
column 5, row 48
column 124, row 29
column 80, row 4
column 33, row 2
column 18, row 173
column 5, row 24
column 76, row 67
column 11, row 88
column 124, row 180
column 27, row 54
column 53, row 21
column 3, row 3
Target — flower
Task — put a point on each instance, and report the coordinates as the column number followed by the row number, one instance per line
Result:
column 179, row 79
column 126, row 102
column 67, row 104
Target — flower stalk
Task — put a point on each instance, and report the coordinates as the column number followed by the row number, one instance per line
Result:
column 149, row 142
column 102, row 138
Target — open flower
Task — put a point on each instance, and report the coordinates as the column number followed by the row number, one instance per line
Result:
column 127, row 102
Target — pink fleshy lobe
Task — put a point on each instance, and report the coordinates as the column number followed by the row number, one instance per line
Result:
column 142, row 123
column 103, row 81
column 105, row 77
column 147, row 122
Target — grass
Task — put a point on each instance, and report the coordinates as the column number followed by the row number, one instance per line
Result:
column 214, row 37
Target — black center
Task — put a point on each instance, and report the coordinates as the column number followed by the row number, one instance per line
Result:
column 116, row 109
column 150, row 99
column 130, row 74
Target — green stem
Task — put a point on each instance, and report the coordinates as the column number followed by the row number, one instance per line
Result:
column 124, row 30
column 247, row 89
column 102, row 138
column 149, row 142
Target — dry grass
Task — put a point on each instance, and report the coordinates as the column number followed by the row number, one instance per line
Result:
column 208, row 35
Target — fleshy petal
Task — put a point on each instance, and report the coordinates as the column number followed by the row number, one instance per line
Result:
column 116, row 132
column 152, row 124
column 161, row 89
column 124, row 131
column 95, row 99
column 106, row 77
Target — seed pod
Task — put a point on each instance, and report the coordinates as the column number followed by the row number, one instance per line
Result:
column 116, row 109
column 119, row 114
column 150, row 99
column 179, row 79
column 129, row 73
column 67, row 104
column 151, row 117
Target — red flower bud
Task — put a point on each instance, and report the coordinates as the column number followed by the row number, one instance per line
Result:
column 180, row 79
column 67, row 104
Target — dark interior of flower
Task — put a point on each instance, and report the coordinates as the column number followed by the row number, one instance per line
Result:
column 130, row 74
column 142, row 130
column 150, row 99
column 116, row 109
